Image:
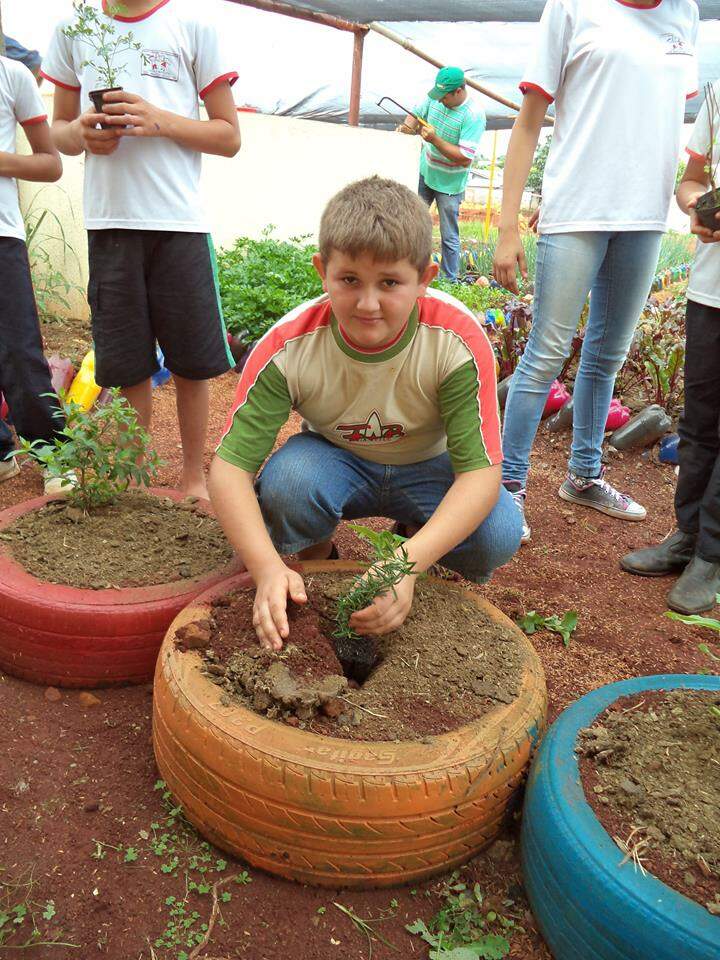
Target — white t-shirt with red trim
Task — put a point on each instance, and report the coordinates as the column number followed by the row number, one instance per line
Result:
column 149, row 183
column 620, row 74
column 20, row 102
column 704, row 285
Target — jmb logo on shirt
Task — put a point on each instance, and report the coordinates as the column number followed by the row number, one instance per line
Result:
column 160, row 64
column 373, row 430
column 677, row 46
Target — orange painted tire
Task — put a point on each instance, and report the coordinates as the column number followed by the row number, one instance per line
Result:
column 336, row 812
column 63, row 636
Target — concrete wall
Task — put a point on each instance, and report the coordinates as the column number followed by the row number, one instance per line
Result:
column 284, row 175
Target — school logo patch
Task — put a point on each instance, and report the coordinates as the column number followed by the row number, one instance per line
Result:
column 373, row 430
column 161, row 64
column 676, row 46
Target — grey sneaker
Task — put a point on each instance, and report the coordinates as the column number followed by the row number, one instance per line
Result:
column 597, row 493
column 518, row 493
column 8, row 469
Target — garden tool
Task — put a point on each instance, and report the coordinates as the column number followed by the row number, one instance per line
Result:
column 423, row 123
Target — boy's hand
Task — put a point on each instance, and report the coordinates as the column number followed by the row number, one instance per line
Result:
column 509, row 255
column 137, row 116
column 273, row 586
column 95, row 140
column 386, row 613
column 428, row 133
column 706, row 235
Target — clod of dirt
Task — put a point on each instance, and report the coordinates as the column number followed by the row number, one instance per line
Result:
column 88, row 699
column 193, row 636
column 52, row 694
column 645, row 771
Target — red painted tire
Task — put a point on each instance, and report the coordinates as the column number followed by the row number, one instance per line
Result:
column 57, row 635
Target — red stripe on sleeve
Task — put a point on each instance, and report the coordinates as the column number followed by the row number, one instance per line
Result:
column 438, row 313
column 269, row 346
column 691, row 95
column 58, row 83
column 226, row 78
column 695, row 156
column 534, row 88
column 33, row 120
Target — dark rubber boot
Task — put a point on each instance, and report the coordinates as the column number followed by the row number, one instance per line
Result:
column 670, row 556
column 696, row 589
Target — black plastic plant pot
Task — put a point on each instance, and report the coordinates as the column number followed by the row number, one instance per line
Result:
column 98, row 102
column 707, row 207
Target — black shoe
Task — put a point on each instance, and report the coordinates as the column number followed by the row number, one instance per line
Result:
column 697, row 588
column 674, row 553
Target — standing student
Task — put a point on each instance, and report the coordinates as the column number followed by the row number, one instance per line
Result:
column 452, row 131
column 693, row 550
column 24, row 374
column 152, row 264
column 619, row 73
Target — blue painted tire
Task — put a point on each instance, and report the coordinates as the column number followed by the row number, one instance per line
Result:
column 586, row 906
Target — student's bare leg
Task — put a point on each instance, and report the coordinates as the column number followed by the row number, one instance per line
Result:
column 193, row 409
column 139, row 397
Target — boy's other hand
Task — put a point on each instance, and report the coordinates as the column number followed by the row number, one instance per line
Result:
column 273, row 586
column 509, row 256
column 97, row 141
column 385, row 613
column 134, row 116
column 706, row 235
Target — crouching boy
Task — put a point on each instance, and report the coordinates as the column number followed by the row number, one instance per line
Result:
column 396, row 384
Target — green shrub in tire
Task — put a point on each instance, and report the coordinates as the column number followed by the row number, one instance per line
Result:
column 587, row 906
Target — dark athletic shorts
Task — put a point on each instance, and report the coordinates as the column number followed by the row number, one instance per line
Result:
column 148, row 285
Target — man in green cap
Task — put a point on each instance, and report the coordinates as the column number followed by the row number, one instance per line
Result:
column 451, row 126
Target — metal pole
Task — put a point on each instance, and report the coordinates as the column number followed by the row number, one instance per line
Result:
column 491, row 184
column 356, row 83
column 2, row 36
column 396, row 38
column 276, row 6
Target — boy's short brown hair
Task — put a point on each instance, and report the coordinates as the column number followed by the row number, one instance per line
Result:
column 378, row 217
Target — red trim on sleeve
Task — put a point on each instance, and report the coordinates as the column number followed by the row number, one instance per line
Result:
column 640, row 6
column 691, row 95
column 308, row 321
column 58, row 83
column 437, row 313
column 225, row 78
column 33, row 120
column 527, row 87
column 695, row 156
column 142, row 16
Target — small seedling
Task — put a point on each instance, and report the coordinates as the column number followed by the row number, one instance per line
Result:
column 104, row 448
column 532, row 622
column 390, row 566
column 96, row 28
column 21, row 916
column 462, row 929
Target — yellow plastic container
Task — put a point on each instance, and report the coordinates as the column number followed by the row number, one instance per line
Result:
column 83, row 390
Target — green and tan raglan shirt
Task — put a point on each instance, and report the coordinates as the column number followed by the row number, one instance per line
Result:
column 432, row 389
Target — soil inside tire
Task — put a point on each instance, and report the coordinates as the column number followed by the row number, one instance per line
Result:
column 141, row 540
column 448, row 665
column 650, row 768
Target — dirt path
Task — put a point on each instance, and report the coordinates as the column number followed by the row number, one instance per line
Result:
column 77, row 782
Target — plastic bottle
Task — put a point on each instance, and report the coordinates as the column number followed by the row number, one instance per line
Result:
column 563, row 419
column 618, row 415
column 84, row 391
column 669, row 449
column 557, row 398
column 163, row 374
column 502, row 391
column 4, row 411
column 62, row 373
column 643, row 429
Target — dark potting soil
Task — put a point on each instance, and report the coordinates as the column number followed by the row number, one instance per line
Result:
column 650, row 768
column 140, row 540
column 448, row 665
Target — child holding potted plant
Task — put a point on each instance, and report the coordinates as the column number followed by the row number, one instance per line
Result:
column 694, row 548
column 24, row 374
column 397, row 385
column 152, row 265
column 619, row 73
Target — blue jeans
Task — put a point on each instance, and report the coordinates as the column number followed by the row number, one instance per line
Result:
column 448, row 205
column 617, row 270
column 309, row 485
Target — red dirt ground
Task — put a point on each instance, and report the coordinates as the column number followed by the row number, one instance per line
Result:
column 73, row 776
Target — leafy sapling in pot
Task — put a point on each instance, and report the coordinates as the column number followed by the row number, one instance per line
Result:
column 391, row 564
column 96, row 28
column 104, row 450
column 708, row 205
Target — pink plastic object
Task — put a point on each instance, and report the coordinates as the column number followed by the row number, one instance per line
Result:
column 618, row 415
column 557, row 398
column 62, row 373
column 3, row 408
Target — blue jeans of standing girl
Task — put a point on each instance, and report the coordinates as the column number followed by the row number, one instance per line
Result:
column 617, row 270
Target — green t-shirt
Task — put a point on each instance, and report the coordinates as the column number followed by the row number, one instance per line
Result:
column 462, row 126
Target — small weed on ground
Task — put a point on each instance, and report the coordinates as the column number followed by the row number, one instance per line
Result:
column 24, row 922
column 565, row 626
column 462, row 929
